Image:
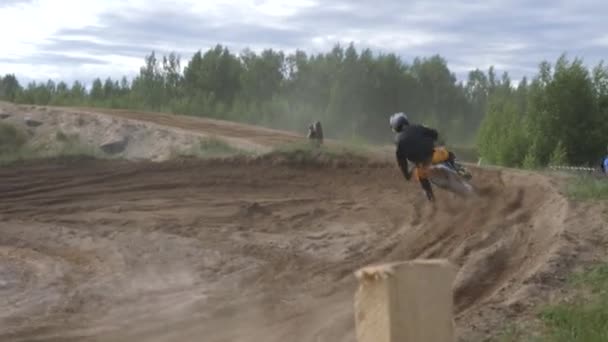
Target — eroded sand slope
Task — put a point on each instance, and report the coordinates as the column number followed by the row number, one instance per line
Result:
column 261, row 249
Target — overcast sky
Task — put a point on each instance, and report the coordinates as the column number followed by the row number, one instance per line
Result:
column 83, row 39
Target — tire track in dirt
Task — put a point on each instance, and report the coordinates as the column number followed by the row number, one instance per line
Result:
column 261, row 248
column 253, row 248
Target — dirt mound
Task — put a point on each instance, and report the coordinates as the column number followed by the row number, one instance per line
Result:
column 125, row 136
column 243, row 136
column 257, row 249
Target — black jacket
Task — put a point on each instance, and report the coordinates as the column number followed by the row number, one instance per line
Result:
column 414, row 143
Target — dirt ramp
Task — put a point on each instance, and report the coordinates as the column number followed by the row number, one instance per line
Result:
column 126, row 136
column 247, row 137
column 501, row 241
column 260, row 249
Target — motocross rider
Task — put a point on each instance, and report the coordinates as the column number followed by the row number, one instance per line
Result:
column 416, row 143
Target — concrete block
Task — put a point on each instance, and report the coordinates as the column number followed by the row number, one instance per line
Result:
column 405, row 302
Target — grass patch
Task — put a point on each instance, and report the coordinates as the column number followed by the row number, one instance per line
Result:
column 298, row 152
column 515, row 333
column 581, row 318
column 11, row 138
column 71, row 145
column 211, row 147
column 14, row 147
column 305, row 151
column 584, row 321
column 29, row 153
column 588, row 187
column 585, row 317
column 61, row 136
column 594, row 279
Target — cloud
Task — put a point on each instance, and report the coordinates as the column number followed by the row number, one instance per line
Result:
column 90, row 47
column 112, row 37
column 8, row 3
column 148, row 30
column 54, row 59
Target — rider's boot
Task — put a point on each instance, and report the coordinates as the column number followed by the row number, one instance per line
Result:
column 457, row 167
column 428, row 190
column 451, row 161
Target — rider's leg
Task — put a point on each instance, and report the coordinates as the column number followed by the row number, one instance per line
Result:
column 428, row 190
column 421, row 175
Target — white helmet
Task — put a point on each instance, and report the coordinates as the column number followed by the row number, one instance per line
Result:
column 398, row 120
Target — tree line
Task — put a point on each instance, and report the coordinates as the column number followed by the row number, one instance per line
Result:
column 352, row 92
column 560, row 117
column 557, row 117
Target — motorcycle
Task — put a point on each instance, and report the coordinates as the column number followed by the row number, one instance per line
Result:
column 446, row 177
column 449, row 175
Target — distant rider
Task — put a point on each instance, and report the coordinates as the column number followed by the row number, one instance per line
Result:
column 315, row 133
column 416, row 143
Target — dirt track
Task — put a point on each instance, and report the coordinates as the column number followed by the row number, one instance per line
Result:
column 261, row 249
column 242, row 135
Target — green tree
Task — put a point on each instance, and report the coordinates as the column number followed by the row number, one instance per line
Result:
column 559, row 155
column 9, row 87
column 561, row 111
column 62, row 94
column 78, row 93
column 97, row 91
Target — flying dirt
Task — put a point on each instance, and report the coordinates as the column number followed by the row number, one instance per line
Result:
column 263, row 248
